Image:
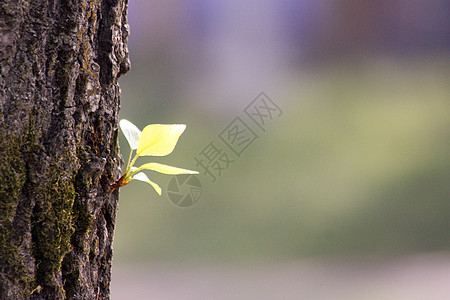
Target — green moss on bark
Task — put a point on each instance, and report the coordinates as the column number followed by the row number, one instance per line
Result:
column 12, row 259
column 52, row 231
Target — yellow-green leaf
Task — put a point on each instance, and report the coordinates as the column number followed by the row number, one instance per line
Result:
column 165, row 169
column 159, row 139
column 142, row 177
column 131, row 133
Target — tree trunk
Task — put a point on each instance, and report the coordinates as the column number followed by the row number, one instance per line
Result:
column 60, row 61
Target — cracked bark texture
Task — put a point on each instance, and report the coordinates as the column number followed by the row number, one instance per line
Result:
column 60, row 61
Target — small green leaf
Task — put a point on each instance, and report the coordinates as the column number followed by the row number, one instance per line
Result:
column 131, row 133
column 159, row 139
column 142, row 177
column 165, row 169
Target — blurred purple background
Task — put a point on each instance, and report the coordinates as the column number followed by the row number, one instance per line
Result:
column 221, row 51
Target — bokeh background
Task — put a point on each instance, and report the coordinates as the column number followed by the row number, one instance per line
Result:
column 344, row 196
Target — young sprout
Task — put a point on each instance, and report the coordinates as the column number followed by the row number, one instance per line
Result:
column 154, row 140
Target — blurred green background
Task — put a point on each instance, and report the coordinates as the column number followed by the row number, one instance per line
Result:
column 357, row 164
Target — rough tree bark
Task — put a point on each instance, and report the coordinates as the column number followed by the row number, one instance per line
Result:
column 60, row 61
